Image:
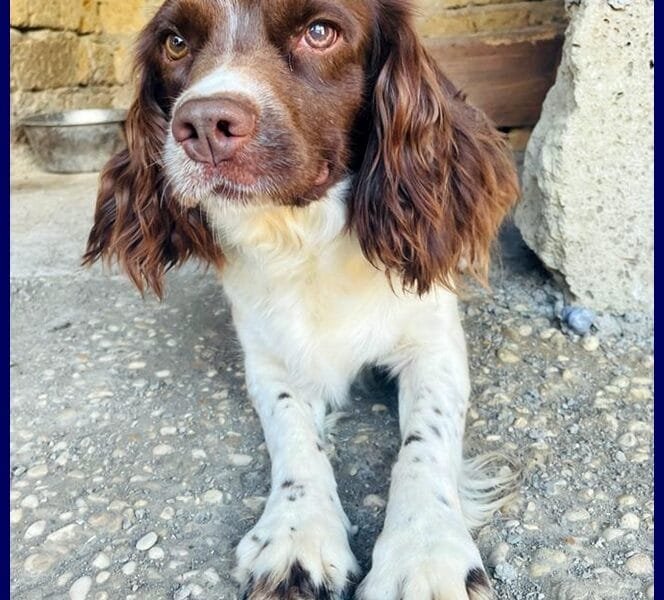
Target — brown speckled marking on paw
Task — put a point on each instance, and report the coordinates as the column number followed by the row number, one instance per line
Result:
column 296, row 586
column 477, row 585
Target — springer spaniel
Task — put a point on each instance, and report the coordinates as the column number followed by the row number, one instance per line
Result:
column 315, row 154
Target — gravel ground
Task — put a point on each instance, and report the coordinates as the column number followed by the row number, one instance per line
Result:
column 138, row 463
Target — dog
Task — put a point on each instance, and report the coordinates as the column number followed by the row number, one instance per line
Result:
column 314, row 153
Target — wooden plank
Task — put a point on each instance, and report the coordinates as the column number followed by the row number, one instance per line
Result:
column 507, row 79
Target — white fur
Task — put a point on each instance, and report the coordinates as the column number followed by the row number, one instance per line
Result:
column 310, row 312
column 224, row 79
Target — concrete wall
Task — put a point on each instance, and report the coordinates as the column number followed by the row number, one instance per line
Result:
column 74, row 53
column 588, row 180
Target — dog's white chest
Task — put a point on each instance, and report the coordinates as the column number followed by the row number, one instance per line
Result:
column 325, row 314
column 303, row 288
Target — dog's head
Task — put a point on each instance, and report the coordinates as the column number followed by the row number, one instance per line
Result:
column 276, row 101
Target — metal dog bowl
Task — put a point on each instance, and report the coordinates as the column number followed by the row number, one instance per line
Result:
column 75, row 141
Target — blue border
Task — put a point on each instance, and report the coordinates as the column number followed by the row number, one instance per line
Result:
column 6, row 296
column 659, row 189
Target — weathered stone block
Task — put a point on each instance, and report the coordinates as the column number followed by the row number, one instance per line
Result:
column 45, row 59
column 59, row 14
column 128, row 19
column 435, row 20
column 123, row 59
column 100, row 57
column 588, row 173
column 89, row 17
column 19, row 15
column 437, row 5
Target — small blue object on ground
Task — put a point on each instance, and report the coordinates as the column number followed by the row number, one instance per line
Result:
column 578, row 319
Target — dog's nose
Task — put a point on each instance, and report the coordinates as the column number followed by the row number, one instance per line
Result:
column 213, row 130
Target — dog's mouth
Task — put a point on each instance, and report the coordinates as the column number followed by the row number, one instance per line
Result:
column 256, row 175
column 239, row 185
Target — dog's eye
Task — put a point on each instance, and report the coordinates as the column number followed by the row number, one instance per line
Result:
column 176, row 47
column 320, row 35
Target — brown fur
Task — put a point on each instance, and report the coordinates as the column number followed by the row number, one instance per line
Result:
column 137, row 221
column 433, row 177
column 437, row 178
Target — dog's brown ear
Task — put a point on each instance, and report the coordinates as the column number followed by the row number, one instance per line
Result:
column 137, row 222
column 437, row 178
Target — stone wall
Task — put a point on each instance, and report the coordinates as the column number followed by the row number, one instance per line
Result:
column 75, row 53
column 72, row 53
column 588, row 185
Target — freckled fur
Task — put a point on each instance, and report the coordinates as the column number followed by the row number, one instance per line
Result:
column 326, row 278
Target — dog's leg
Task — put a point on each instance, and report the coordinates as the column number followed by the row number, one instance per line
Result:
column 299, row 547
column 425, row 550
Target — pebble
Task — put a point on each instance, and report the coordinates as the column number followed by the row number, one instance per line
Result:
column 590, row 343
column 169, row 430
column 147, row 541
column 520, row 423
column 163, row 374
column 628, row 440
column 611, row 533
column 39, row 563
column 102, row 577
column 505, row 572
column 254, row 503
column 558, row 340
column 37, row 472
column 640, row 393
column 162, row 450
column 547, row 560
column 577, row 515
column 373, row 501
column 211, row 577
column 626, row 500
column 102, row 561
column 639, row 564
column 80, row 588
column 498, row 555
column 630, row 521
column 68, row 533
column 15, row 516
column 167, row 514
column 137, row 365
column 378, row 408
column 240, row 460
column 35, row 530
column 213, row 496
column 129, row 568
column 191, row 590
column 569, row 375
column 639, row 427
column 156, row 553
column 525, row 330
column 506, row 356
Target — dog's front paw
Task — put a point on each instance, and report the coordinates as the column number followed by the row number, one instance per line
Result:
column 297, row 551
column 439, row 563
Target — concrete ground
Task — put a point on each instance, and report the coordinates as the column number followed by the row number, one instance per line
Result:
column 138, row 464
